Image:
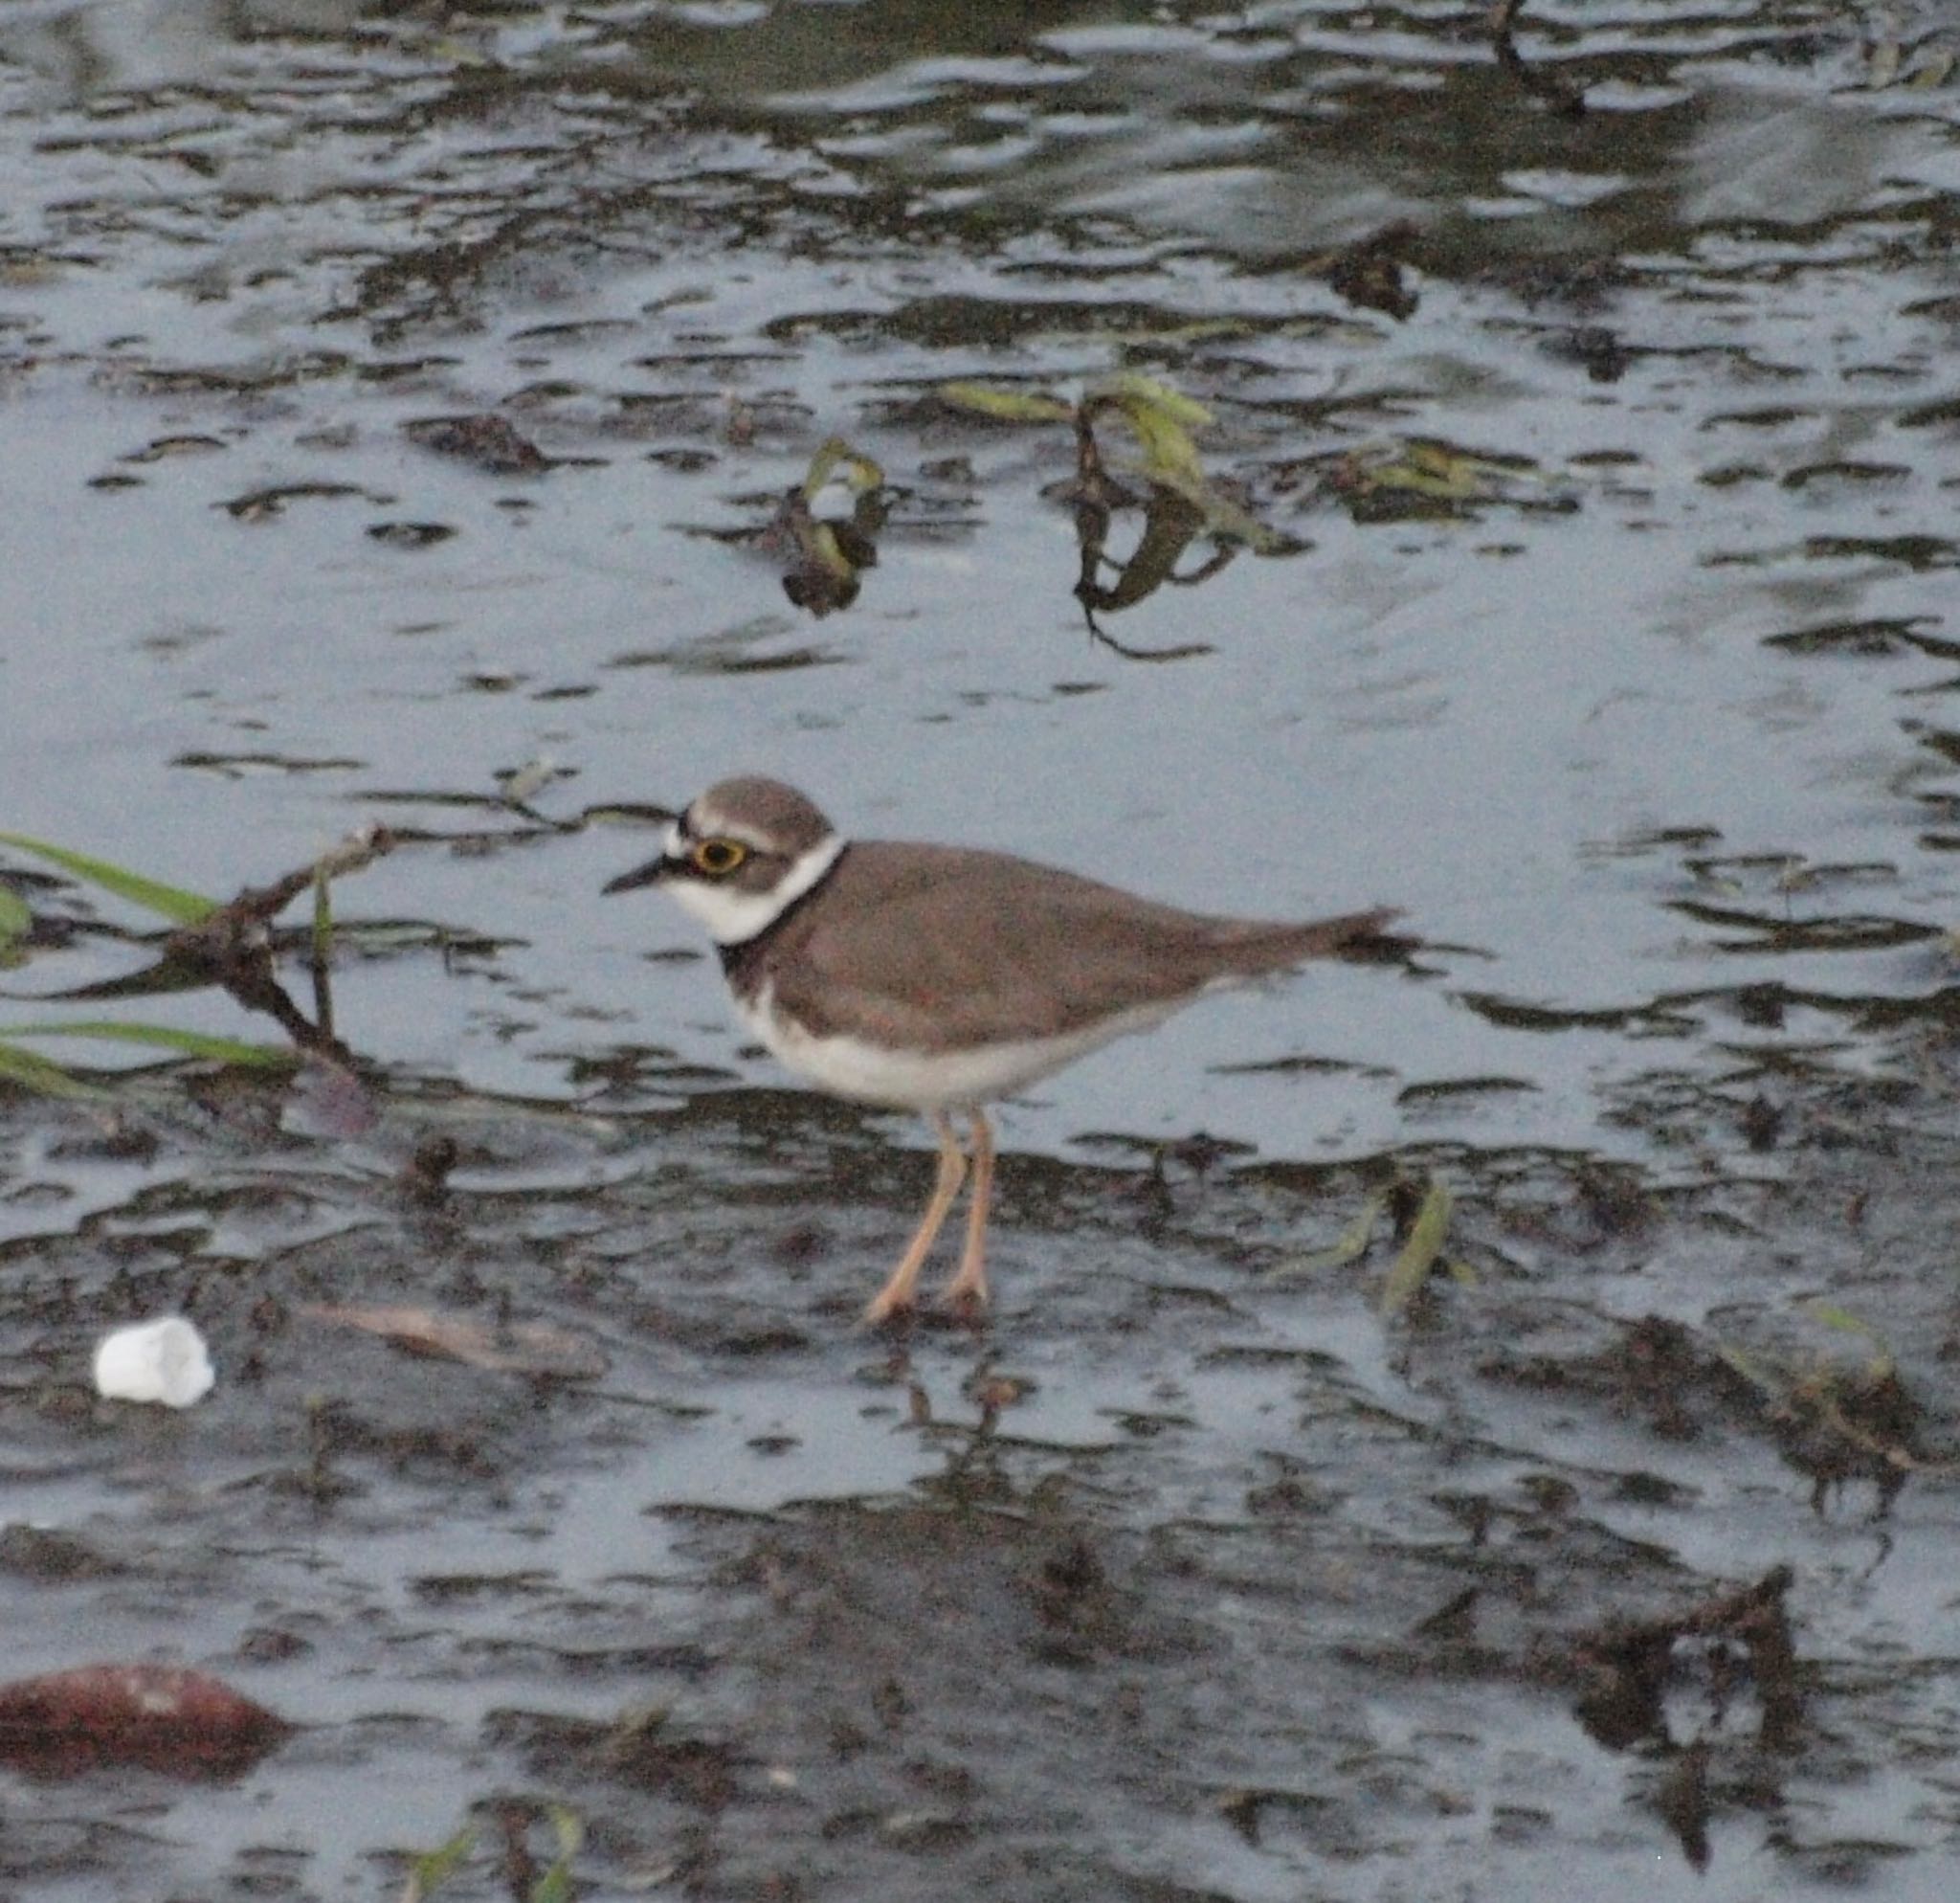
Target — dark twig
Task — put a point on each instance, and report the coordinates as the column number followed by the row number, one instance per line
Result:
column 1570, row 101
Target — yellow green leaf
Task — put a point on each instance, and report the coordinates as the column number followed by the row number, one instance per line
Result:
column 1830, row 1315
column 1162, row 420
column 861, row 473
column 170, row 901
column 1410, row 1270
column 1224, row 517
column 1351, row 1241
column 164, row 1037
column 1169, row 456
column 1146, row 394
column 1008, row 406
column 1833, row 1316
column 432, row 1868
column 33, row 1072
column 569, row 1828
column 1755, row 1372
column 1933, row 70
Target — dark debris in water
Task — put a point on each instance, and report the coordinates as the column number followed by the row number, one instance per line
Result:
column 493, row 444
column 165, row 1719
column 265, row 505
column 411, row 534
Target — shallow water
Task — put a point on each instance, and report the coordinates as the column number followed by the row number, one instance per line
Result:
column 1613, row 647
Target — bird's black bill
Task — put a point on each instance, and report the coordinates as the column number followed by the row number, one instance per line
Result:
column 641, row 875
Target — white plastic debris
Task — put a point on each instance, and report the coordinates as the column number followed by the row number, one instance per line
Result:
column 162, row 1361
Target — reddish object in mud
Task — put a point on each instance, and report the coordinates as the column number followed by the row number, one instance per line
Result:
column 163, row 1718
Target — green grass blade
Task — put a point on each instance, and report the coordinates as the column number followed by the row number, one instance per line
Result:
column 164, row 1037
column 432, row 1868
column 1831, row 1315
column 171, row 901
column 322, row 922
column 1764, row 1379
column 555, row 1886
column 16, row 919
column 569, row 1828
column 34, row 1072
column 1411, row 1269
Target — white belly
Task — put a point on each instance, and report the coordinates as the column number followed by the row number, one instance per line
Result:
column 933, row 1080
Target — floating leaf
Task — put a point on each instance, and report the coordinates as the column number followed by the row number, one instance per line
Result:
column 1935, row 69
column 1162, row 430
column 164, row 1037
column 861, row 473
column 1162, row 420
column 1007, row 406
column 170, row 901
column 1225, row 517
column 1351, row 1242
column 1437, row 472
column 1148, row 396
column 1430, row 469
column 828, row 553
column 1410, row 1269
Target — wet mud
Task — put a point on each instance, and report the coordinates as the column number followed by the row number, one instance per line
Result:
column 1190, row 1574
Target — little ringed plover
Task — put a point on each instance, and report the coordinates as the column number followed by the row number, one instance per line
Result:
column 942, row 979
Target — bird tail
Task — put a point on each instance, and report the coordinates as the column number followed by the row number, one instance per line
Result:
column 1361, row 935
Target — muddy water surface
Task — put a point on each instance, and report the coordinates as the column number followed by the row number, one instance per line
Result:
column 393, row 400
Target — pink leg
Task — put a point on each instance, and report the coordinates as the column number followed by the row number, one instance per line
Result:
column 968, row 1288
column 897, row 1291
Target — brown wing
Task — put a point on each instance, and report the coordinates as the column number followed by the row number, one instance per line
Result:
column 1018, row 950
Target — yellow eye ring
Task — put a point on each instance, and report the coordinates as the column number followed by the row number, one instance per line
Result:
column 715, row 859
